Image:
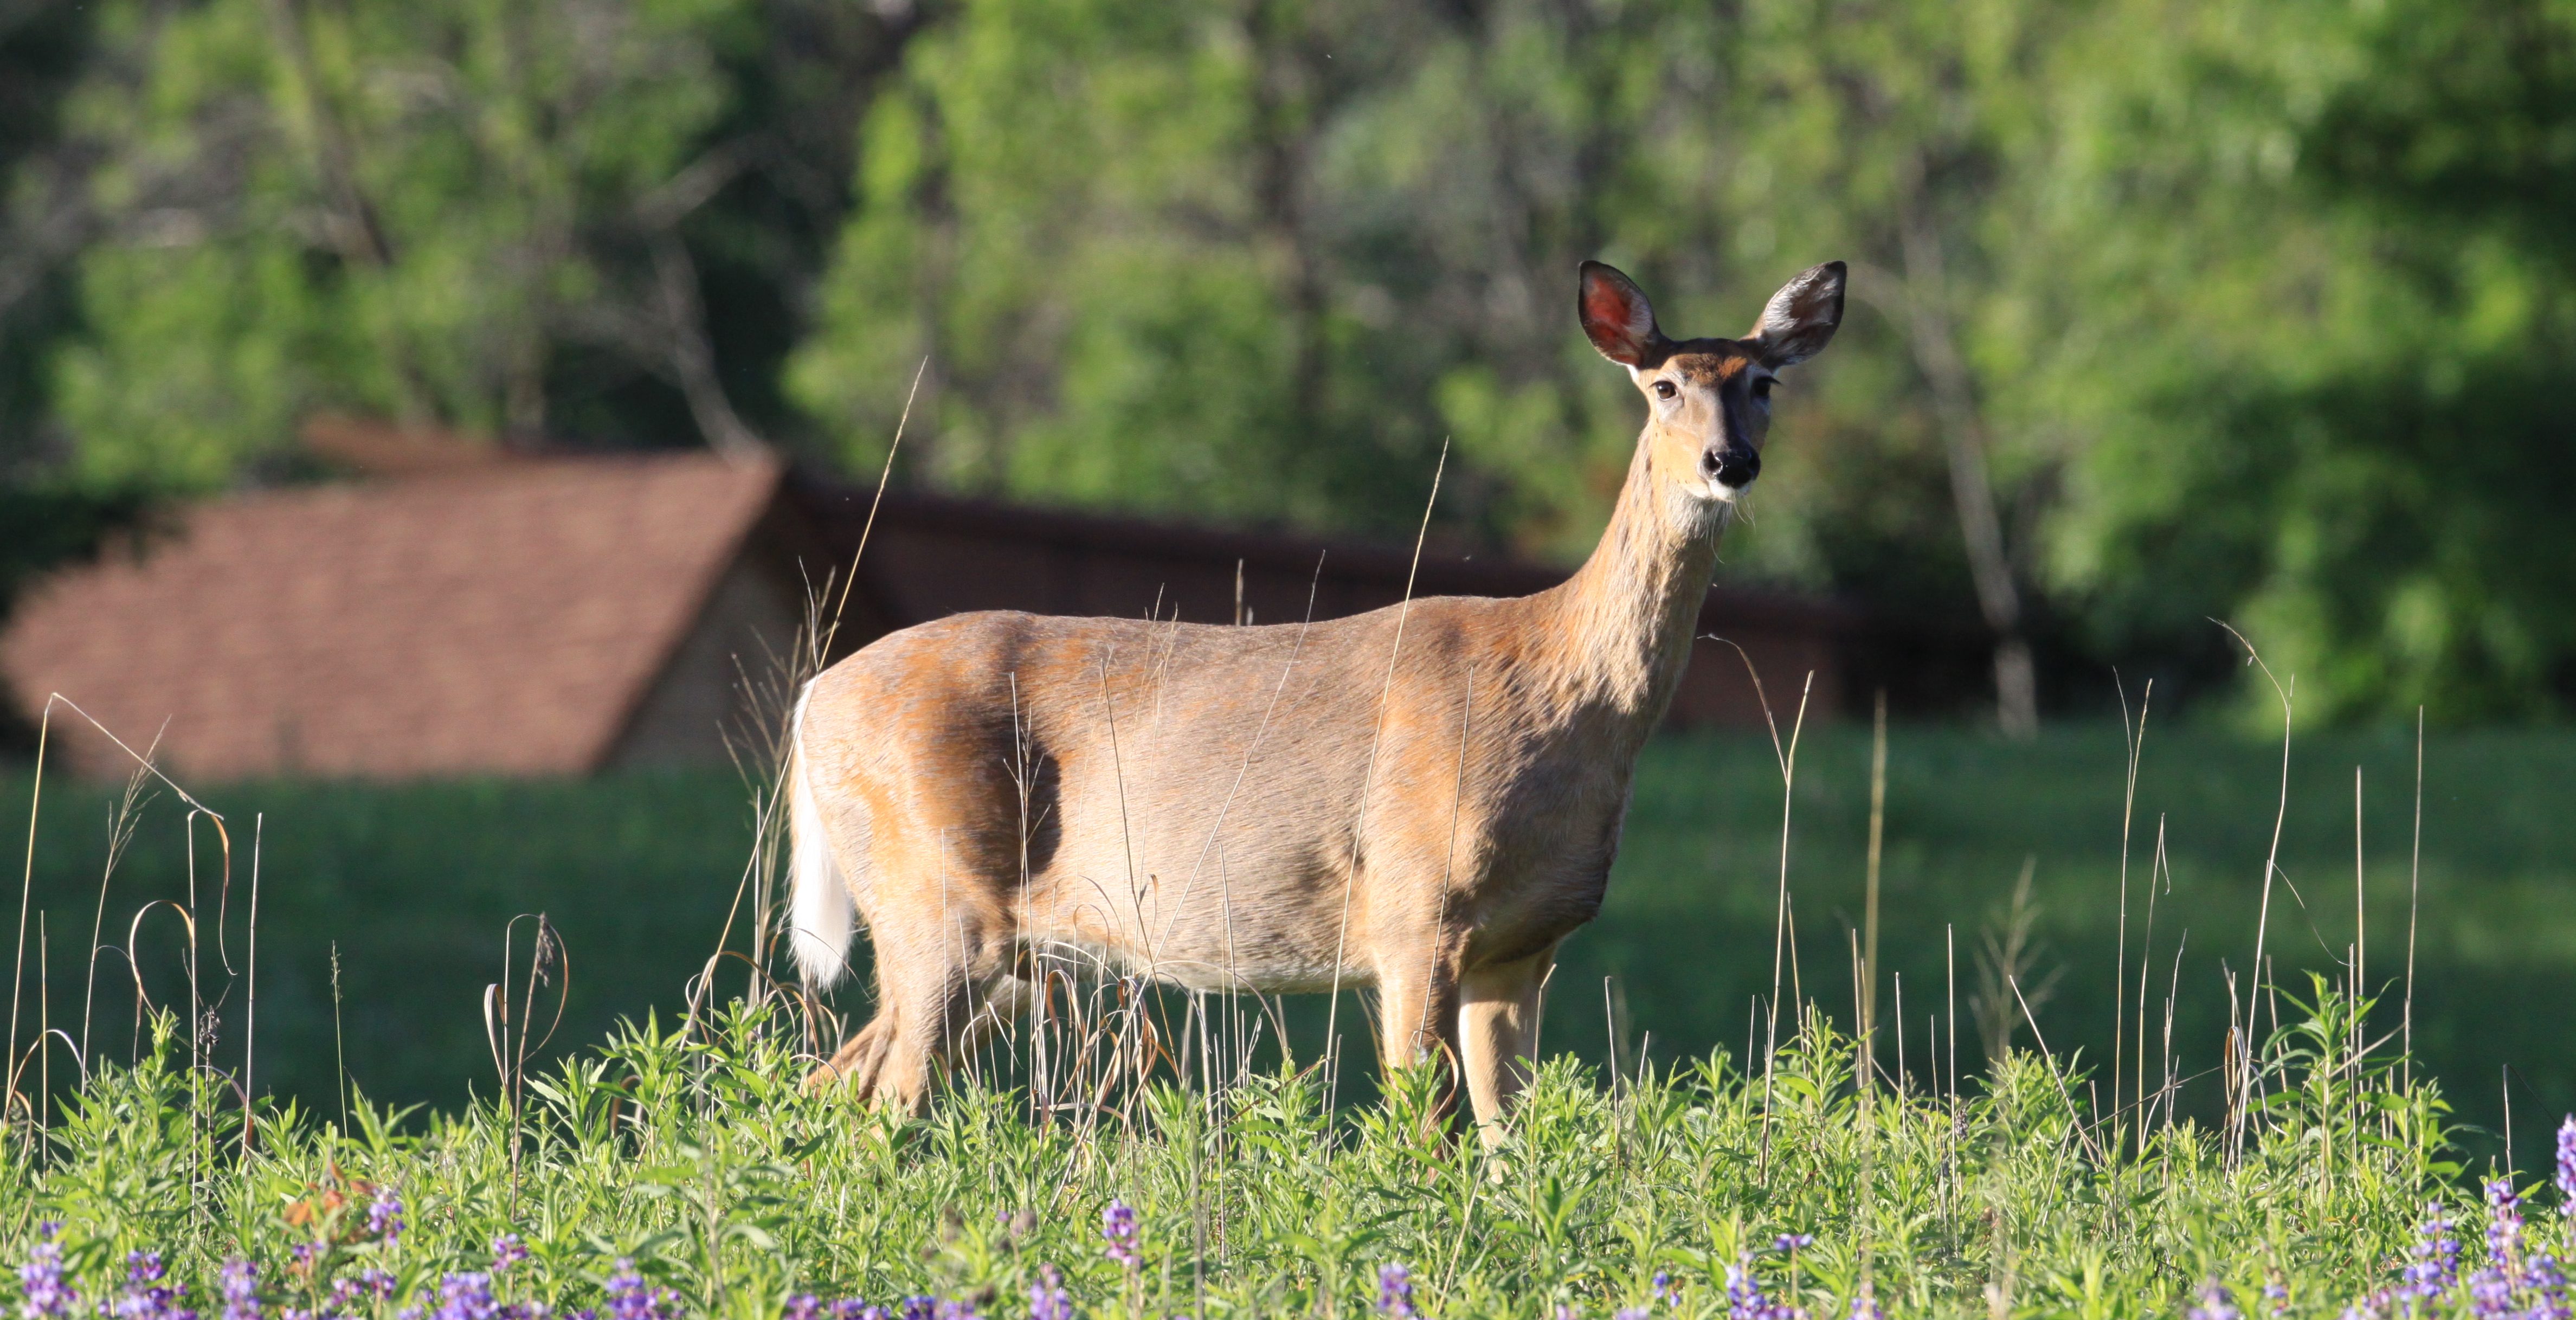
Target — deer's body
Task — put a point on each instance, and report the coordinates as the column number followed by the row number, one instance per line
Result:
column 1423, row 799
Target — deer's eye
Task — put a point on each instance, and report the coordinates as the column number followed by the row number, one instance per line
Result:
column 1664, row 389
column 1762, row 388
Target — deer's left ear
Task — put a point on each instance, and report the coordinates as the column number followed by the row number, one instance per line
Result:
column 1801, row 317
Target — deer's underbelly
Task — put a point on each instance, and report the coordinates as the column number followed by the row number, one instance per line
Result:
column 1267, row 924
column 1256, row 964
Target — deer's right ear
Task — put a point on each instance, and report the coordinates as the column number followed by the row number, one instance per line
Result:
column 1617, row 318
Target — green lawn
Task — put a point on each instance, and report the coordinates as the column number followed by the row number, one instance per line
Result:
column 1688, row 929
column 414, row 885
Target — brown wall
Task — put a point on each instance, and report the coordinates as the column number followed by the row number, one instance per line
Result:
column 720, row 683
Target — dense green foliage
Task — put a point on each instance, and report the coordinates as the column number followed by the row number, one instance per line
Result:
column 2163, row 311
column 2344, row 296
column 412, row 886
column 399, row 232
column 501, row 219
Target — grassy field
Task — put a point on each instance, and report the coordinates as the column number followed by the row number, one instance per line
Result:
column 1687, row 931
column 1688, row 1169
column 671, row 1176
column 412, row 887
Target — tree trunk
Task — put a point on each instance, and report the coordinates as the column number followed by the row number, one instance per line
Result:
column 693, row 358
column 1933, row 339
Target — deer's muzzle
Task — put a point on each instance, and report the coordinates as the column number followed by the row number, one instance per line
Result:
column 1730, row 466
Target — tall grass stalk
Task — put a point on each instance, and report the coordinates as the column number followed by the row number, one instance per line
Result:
column 2136, row 738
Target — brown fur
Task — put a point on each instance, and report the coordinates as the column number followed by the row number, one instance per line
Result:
column 1287, row 807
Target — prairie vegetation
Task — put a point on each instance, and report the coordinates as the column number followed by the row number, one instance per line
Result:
column 671, row 1166
column 412, row 884
column 689, row 1161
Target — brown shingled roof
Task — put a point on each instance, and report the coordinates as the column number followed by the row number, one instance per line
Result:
column 503, row 619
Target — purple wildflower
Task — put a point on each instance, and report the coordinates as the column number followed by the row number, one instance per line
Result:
column 1126, row 1236
column 1865, row 1303
column 631, row 1298
column 2276, row 1298
column 507, row 1250
column 161, row 1302
column 2548, row 1288
column 954, row 1308
column 1395, row 1292
column 41, row 1278
column 1789, row 1243
column 146, row 1297
column 1631, row 1313
column 2567, row 1166
column 803, row 1306
column 920, row 1308
column 851, row 1308
column 1047, row 1297
column 1745, row 1299
column 465, row 1296
column 1666, row 1291
column 2504, row 1227
column 367, row 1285
column 2490, row 1294
column 239, row 1282
column 2216, row 1303
column 385, row 1216
column 2433, row 1263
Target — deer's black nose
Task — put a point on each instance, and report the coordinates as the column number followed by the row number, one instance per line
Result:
column 1731, row 467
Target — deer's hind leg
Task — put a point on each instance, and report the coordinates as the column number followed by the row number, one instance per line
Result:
column 856, row 1064
column 943, row 979
column 938, row 991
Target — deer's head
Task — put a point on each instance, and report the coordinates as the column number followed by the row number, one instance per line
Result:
column 1709, row 399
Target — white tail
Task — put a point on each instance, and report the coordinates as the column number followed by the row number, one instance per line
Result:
column 819, row 906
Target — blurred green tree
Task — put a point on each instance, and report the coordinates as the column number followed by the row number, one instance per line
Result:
column 2313, row 329
column 1255, row 259
column 2165, row 311
column 494, row 218
column 1905, row 136
column 384, row 208
column 42, row 50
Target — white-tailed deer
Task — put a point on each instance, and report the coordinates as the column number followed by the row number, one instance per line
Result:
column 1424, row 799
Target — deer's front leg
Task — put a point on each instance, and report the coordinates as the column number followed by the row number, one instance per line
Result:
column 1497, row 1019
column 1418, row 1014
column 1417, row 1004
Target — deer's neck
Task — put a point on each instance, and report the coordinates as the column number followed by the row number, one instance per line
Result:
column 1623, row 622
